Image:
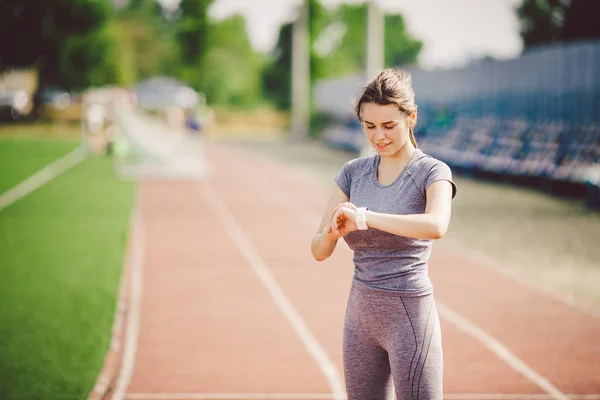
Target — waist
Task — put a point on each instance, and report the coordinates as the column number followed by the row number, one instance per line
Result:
column 388, row 288
column 394, row 274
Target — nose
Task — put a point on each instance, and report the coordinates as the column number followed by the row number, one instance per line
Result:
column 379, row 134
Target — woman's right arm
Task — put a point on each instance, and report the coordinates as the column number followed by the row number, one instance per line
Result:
column 324, row 242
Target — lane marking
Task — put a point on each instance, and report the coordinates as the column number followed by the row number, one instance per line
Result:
column 327, row 396
column 517, row 396
column 266, row 277
column 486, row 262
column 115, row 351
column 500, row 350
column 41, row 177
column 135, row 300
column 493, row 344
column 231, row 396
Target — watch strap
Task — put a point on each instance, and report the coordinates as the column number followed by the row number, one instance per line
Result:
column 361, row 218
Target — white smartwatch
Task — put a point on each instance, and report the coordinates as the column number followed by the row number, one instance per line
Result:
column 360, row 217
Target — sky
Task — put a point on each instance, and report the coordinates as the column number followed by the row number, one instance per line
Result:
column 453, row 31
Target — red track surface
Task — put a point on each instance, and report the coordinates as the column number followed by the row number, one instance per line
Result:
column 210, row 324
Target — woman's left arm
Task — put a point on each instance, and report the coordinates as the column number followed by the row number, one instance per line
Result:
column 433, row 224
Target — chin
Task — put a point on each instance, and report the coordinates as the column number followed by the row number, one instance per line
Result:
column 386, row 151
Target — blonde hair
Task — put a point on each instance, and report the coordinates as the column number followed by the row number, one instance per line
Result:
column 390, row 86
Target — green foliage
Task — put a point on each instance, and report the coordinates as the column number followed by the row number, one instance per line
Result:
column 541, row 21
column 192, row 36
column 277, row 78
column 230, row 71
column 147, row 43
column 547, row 21
column 349, row 57
column 319, row 20
column 338, row 41
column 581, row 20
column 100, row 66
column 400, row 47
column 149, row 8
column 126, row 69
column 49, row 35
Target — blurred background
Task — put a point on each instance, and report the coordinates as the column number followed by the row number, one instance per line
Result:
column 504, row 87
column 508, row 94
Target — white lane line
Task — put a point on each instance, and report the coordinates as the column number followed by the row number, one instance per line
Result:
column 231, row 396
column 486, row 262
column 500, row 350
column 327, row 396
column 44, row 175
column 135, row 300
column 460, row 322
column 110, row 368
column 251, row 254
column 518, row 396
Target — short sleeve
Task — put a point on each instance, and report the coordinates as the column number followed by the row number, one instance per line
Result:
column 440, row 172
column 343, row 179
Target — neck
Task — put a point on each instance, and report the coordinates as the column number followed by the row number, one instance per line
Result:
column 400, row 158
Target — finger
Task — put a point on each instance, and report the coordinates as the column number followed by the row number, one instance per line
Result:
column 333, row 223
column 343, row 212
column 333, row 219
column 349, row 213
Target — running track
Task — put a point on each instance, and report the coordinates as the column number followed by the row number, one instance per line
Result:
column 227, row 302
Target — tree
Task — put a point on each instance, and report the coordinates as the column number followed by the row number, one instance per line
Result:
column 147, row 44
column 68, row 41
column 192, row 37
column 318, row 21
column 547, row 21
column 230, row 71
column 277, row 82
column 541, row 21
column 348, row 56
column 337, row 41
column 400, row 47
column 581, row 21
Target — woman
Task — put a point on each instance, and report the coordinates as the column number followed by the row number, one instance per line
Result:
column 389, row 208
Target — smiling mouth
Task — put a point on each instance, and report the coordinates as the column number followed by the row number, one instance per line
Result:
column 382, row 145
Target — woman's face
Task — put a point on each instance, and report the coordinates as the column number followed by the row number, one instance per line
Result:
column 386, row 127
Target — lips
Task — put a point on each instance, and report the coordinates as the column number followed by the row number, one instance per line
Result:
column 382, row 145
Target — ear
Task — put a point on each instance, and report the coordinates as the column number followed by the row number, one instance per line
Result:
column 413, row 118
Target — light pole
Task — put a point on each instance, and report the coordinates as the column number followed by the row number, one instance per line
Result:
column 375, row 39
column 374, row 51
column 300, row 75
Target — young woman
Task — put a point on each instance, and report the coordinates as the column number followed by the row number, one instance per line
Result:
column 389, row 208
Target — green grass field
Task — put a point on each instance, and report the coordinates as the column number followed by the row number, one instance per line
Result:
column 21, row 158
column 61, row 254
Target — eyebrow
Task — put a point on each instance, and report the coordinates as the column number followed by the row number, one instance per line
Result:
column 385, row 123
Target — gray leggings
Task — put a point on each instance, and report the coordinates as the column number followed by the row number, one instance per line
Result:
column 389, row 336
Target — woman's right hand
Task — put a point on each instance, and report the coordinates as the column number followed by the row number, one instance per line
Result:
column 324, row 241
column 342, row 220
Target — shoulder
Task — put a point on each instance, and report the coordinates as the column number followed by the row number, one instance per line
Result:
column 429, row 169
column 359, row 165
column 426, row 164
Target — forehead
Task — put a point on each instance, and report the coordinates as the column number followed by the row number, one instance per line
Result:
column 378, row 113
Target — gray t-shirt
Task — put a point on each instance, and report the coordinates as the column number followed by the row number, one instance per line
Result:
column 381, row 259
